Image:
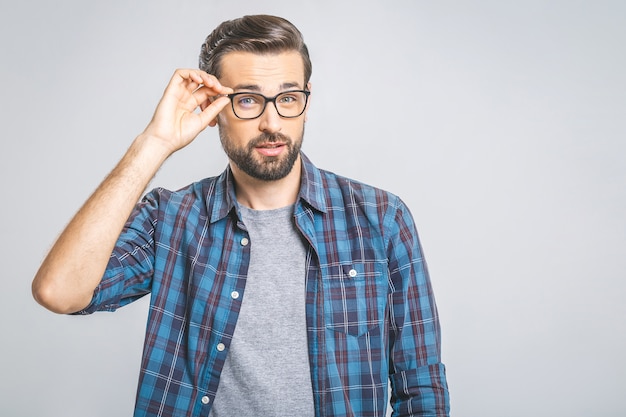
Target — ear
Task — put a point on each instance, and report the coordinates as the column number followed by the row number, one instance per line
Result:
column 306, row 115
column 205, row 104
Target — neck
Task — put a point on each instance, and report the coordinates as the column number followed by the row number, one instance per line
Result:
column 267, row 195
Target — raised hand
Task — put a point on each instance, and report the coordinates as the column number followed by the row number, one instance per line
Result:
column 187, row 108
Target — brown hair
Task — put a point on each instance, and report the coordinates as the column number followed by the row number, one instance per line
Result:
column 260, row 34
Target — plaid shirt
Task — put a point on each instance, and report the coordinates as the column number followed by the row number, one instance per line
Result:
column 371, row 315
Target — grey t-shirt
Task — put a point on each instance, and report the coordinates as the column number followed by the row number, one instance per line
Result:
column 267, row 372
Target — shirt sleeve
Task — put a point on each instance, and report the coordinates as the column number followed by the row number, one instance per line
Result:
column 128, row 275
column 418, row 379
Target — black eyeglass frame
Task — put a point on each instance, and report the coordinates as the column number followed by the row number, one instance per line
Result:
column 267, row 100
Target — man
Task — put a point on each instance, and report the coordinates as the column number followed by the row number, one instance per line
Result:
column 277, row 288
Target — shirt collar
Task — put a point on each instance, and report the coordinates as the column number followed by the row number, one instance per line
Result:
column 311, row 190
column 311, row 185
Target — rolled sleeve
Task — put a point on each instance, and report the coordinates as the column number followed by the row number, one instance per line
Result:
column 128, row 275
column 418, row 379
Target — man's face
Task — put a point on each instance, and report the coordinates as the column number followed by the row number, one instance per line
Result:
column 265, row 148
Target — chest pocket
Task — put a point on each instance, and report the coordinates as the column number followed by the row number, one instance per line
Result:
column 355, row 296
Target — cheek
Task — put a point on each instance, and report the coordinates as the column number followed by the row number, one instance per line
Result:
column 297, row 130
column 238, row 133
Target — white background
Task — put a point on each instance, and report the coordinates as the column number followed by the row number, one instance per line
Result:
column 502, row 124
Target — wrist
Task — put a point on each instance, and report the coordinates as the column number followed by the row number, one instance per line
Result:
column 152, row 147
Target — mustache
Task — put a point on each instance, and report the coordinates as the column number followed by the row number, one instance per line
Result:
column 269, row 138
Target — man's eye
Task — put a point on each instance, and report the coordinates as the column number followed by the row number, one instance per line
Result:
column 289, row 99
column 247, row 101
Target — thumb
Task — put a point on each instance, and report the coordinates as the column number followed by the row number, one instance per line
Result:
column 210, row 110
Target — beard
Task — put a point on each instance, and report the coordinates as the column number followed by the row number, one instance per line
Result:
column 261, row 167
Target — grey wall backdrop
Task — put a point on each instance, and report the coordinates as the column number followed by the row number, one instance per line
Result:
column 500, row 123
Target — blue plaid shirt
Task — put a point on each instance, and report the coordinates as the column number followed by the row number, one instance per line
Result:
column 370, row 310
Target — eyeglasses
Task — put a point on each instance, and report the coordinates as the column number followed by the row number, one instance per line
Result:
column 288, row 104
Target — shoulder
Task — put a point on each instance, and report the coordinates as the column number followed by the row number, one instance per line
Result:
column 198, row 192
column 353, row 202
column 355, row 192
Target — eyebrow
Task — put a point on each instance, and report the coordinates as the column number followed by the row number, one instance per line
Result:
column 256, row 87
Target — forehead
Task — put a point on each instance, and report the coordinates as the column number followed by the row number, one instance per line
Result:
column 267, row 73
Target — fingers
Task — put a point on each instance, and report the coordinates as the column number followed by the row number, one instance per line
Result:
column 204, row 88
column 194, row 80
column 176, row 117
column 209, row 112
column 208, row 92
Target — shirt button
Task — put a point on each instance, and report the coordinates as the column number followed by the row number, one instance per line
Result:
column 244, row 241
column 352, row 273
column 205, row 400
column 234, row 294
column 221, row 347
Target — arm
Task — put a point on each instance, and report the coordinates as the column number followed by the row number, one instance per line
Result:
column 74, row 266
column 418, row 379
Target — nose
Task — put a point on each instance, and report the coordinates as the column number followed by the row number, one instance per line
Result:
column 270, row 120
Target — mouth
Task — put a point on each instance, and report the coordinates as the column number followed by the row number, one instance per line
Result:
column 270, row 148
